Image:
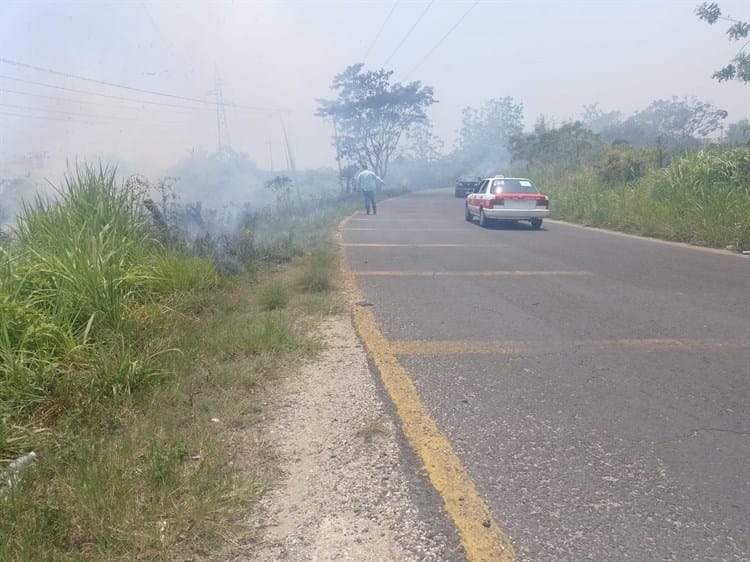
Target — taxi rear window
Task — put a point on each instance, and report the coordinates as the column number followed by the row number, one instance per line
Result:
column 513, row 186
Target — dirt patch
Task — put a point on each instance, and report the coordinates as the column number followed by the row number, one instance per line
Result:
column 347, row 492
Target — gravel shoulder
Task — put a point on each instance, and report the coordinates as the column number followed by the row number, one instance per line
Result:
column 351, row 489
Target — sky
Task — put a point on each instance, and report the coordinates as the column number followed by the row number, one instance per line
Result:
column 272, row 61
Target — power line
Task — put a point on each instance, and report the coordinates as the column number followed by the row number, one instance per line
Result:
column 408, row 33
column 32, row 108
column 86, row 92
column 76, row 101
column 109, row 118
column 466, row 13
column 43, row 118
column 388, row 17
column 124, row 87
column 103, row 82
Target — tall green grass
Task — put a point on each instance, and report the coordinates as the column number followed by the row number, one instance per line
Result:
column 134, row 369
column 702, row 197
column 73, row 276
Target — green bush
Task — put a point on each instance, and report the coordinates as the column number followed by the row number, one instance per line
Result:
column 702, row 197
column 274, row 297
column 71, row 275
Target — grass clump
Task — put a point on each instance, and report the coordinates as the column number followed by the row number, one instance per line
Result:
column 274, row 297
column 702, row 197
column 318, row 275
column 135, row 370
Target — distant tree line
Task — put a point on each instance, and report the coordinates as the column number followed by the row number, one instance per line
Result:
column 385, row 126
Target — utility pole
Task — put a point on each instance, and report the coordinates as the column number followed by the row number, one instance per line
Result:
column 222, row 129
column 270, row 152
column 338, row 154
column 290, row 158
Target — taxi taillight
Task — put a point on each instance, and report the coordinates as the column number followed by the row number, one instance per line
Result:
column 496, row 202
column 544, row 202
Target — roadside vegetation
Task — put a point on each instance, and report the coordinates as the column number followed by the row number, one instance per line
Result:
column 701, row 197
column 138, row 334
column 133, row 360
column 674, row 170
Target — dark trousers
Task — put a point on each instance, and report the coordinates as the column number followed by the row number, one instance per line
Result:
column 369, row 197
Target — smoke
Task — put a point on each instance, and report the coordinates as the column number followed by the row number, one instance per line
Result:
column 270, row 61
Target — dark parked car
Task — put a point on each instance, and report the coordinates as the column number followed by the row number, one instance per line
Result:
column 464, row 187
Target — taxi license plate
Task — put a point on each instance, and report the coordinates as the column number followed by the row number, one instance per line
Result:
column 521, row 204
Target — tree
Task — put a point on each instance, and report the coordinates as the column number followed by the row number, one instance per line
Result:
column 678, row 123
column 739, row 67
column 485, row 135
column 596, row 120
column 422, row 144
column 370, row 114
column 281, row 186
column 738, row 133
column 347, row 175
column 568, row 145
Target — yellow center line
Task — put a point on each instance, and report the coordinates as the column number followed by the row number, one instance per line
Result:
column 405, row 229
column 387, row 220
column 502, row 273
column 373, row 245
column 665, row 344
column 482, row 539
column 424, row 347
column 501, row 347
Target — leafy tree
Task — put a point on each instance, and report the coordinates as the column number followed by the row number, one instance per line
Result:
column 422, row 144
column 485, row 136
column 621, row 164
column 347, row 176
column 738, row 133
column 596, row 120
column 281, row 186
column 370, row 114
column 678, row 123
column 421, row 163
column 568, row 145
column 739, row 67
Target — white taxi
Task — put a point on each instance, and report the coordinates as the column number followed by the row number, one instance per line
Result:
column 507, row 199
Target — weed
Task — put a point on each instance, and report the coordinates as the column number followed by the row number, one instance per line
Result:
column 319, row 275
column 701, row 197
column 129, row 364
column 273, row 297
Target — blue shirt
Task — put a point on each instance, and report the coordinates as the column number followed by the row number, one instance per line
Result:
column 367, row 180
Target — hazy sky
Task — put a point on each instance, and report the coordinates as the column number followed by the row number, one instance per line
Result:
column 552, row 56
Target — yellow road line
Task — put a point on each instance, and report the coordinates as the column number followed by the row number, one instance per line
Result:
column 357, row 229
column 664, row 344
column 482, row 539
column 501, row 347
column 505, row 273
column 369, row 245
column 384, row 220
column 422, row 347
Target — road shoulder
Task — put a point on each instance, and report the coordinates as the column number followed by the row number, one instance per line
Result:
column 349, row 490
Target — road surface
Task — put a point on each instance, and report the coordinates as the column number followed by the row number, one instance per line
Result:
column 594, row 386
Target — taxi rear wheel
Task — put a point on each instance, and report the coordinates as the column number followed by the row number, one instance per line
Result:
column 536, row 224
column 483, row 220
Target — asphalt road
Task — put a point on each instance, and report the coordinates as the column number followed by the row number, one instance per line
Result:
column 595, row 386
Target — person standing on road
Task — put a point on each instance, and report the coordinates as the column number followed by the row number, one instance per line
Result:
column 367, row 182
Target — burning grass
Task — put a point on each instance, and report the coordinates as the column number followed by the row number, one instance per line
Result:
column 130, row 366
